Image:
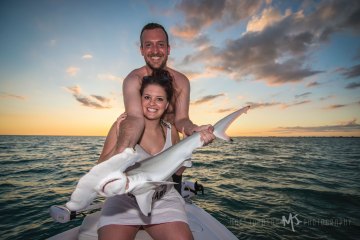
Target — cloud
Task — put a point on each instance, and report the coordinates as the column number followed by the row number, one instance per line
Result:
column 349, row 126
column 327, row 97
column 268, row 17
column 202, row 42
column 296, row 104
column 279, row 47
column 352, row 85
column 203, row 13
column 225, row 110
column 236, row 11
column 93, row 101
column 272, row 55
column 192, row 75
column 72, row 71
column 303, row 95
column 207, row 98
column 312, row 84
column 76, row 90
column 254, row 105
column 351, row 72
column 198, row 14
column 87, row 56
column 336, row 106
column 10, row 95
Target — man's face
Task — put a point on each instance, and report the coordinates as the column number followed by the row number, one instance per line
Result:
column 155, row 48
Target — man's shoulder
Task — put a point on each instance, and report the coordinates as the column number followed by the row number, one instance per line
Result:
column 137, row 74
column 138, row 71
column 178, row 76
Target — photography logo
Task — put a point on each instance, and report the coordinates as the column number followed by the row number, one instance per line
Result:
column 290, row 220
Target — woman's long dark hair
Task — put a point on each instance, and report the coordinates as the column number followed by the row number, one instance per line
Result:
column 162, row 78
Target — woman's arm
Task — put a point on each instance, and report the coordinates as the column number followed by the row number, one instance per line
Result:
column 111, row 138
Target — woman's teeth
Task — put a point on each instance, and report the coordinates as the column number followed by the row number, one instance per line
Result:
column 151, row 110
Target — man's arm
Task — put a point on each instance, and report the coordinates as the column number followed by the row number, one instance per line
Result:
column 133, row 126
column 182, row 121
column 128, row 133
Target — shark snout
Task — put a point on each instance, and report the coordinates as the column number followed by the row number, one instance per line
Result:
column 114, row 184
column 114, row 187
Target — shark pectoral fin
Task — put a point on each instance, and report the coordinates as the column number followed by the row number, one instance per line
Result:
column 144, row 201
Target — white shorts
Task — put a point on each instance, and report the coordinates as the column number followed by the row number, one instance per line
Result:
column 124, row 210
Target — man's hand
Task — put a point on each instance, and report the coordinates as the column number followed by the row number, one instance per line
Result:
column 206, row 133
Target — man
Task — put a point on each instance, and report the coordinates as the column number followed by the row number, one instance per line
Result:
column 155, row 48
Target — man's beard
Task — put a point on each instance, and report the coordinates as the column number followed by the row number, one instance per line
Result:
column 152, row 67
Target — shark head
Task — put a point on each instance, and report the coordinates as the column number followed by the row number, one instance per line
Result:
column 114, row 184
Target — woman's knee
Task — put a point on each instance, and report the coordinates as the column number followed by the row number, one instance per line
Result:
column 117, row 232
column 171, row 230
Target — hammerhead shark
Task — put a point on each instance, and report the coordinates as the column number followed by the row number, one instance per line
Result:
column 126, row 172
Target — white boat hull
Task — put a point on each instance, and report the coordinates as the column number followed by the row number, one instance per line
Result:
column 203, row 227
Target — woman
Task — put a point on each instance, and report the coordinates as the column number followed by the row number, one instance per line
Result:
column 121, row 217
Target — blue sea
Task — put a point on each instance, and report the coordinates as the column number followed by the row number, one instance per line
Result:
column 258, row 187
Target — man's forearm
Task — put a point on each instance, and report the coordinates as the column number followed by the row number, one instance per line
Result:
column 130, row 132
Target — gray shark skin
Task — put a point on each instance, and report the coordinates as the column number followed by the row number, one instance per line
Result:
column 127, row 173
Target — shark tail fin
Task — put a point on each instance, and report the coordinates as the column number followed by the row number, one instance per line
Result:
column 221, row 126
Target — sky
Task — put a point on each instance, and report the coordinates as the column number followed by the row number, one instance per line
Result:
column 296, row 63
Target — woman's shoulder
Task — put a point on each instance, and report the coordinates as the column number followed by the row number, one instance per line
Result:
column 166, row 124
column 174, row 133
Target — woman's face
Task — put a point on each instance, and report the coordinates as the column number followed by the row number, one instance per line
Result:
column 154, row 101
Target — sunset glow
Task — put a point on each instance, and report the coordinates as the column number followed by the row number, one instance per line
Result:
column 296, row 63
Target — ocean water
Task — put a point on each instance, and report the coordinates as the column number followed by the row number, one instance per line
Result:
column 260, row 188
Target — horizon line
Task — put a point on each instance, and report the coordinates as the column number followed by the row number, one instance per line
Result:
column 254, row 136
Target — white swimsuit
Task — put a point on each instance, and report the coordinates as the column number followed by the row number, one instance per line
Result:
column 168, row 205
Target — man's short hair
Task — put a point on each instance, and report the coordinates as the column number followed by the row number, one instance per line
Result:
column 151, row 26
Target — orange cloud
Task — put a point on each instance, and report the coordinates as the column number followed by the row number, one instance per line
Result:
column 268, row 17
column 10, row 95
column 93, row 101
column 87, row 57
column 72, row 71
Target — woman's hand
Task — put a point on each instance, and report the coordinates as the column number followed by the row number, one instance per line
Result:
column 121, row 118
